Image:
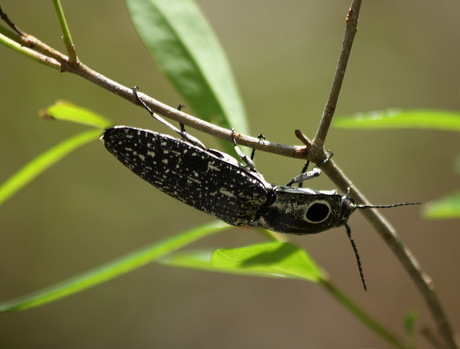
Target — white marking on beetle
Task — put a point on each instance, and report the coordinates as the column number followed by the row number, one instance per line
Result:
column 194, row 180
column 224, row 191
column 213, row 168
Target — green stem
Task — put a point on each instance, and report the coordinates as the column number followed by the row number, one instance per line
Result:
column 363, row 316
column 10, row 34
column 65, row 32
column 38, row 57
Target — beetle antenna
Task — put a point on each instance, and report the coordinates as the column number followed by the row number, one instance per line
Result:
column 389, row 206
column 358, row 259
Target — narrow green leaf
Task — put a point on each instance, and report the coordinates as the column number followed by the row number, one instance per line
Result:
column 195, row 259
column 279, row 260
column 66, row 111
column 185, row 49
column 42, row 162
column 409, row 323
column 399, row 118
column 112, row 269
column 271, row 259
column 447, row 207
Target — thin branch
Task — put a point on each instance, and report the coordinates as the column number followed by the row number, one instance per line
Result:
column 43, row 53
column 384, row 228
column 50, row 56
column 331, row 104
column 36, row 56
column 431, row 337
column 181, row 117
column 388, row 233
column 5, row 18
column 65, row 32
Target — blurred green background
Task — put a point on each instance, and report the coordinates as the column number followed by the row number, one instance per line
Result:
column 88, row 209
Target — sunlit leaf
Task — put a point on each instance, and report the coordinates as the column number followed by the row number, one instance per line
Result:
column 185, row 49
column 409, row 323
column 400, row 118
column 447, row 207
column 66, row 111
column 112, row 269
column 271, row 259
column 43, row 161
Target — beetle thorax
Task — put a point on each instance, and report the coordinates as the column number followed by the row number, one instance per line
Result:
column 305, row 211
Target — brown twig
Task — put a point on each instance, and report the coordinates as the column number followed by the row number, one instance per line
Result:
column 331, row 104
column 388, row 233
column 5, row 18
column 431, row 337
column 384, row 228
column 179, row 116
column 45, row 54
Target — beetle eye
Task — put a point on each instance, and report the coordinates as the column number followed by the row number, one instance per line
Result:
column 318, row 212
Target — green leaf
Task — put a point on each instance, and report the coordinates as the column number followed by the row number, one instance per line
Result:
column 196, row 259
column 185, row 49
column 112, row 269
column 399, row 118
column 66, row 111
column 409, row 323
column 271, row 259
column 42, row 162
column 447, row 207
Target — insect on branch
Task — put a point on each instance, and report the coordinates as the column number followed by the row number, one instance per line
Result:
column 37, row 50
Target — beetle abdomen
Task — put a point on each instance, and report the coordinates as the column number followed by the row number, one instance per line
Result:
column 209, row 181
